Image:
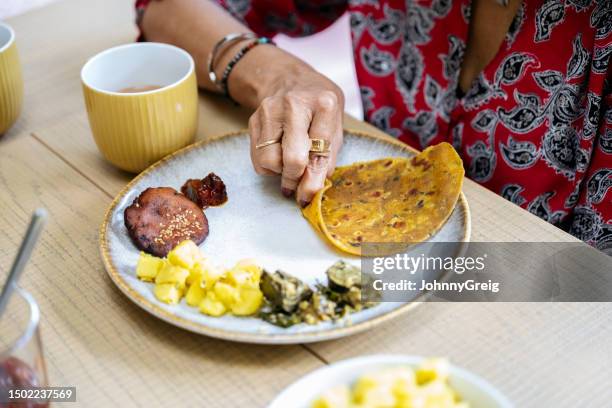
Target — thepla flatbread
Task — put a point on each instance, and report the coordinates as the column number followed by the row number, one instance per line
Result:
column 392, row 200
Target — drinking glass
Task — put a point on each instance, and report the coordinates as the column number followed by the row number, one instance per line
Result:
column 22, row 363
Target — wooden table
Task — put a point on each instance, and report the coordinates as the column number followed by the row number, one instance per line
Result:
column 116, row 354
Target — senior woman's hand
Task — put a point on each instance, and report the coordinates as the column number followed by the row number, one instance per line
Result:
column 291, row 100
column 301, row 105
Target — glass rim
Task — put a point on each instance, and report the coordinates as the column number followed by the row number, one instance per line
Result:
column 32, row 325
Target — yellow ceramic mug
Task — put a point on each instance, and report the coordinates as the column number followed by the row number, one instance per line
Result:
column 142, row 102
column 11, row 82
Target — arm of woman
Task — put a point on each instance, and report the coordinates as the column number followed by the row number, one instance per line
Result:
column 291, row 100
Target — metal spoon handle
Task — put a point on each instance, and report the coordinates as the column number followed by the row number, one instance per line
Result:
column 25, row 251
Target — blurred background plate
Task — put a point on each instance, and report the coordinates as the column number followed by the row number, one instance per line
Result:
column 472, row 389
column 256, row 222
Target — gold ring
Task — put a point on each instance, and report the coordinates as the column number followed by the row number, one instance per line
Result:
column 324, row 154
column 268, row 143
column 319, row 146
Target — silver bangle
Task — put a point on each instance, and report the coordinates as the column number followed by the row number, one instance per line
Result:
column 219, row 46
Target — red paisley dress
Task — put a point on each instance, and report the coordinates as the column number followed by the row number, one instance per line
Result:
column 536, row 125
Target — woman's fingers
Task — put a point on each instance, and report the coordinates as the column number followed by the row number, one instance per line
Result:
column 313, row 179
column 336, row 145
column 297, row 116
column 295, row 142
column 324, row 126
column 255, row 132
column 266, row 125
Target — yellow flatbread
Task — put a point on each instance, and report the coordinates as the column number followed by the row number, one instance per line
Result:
column 392, row 200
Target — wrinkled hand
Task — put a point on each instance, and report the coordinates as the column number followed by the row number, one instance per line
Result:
column 301, row 106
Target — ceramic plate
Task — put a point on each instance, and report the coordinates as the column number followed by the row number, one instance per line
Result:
column 473, row 389
column 256, row 222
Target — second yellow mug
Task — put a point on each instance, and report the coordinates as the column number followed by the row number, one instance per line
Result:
column 11, row 81
column 142, row 102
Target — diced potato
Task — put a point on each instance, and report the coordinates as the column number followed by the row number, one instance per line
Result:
column 246, row 262
column 208, row 273
column 249, row 303
column 195, row 275
column 226, row 293
column 212, row 275
column 211, row 306
column 195, row 294
column 186, row 272
column 185, row 254
column 338, row 397
column 432, row 369
column 172, row 274
column 240, row 277
column 245, row 273
column 167, row 293
column 148, row 267
column 251, row 266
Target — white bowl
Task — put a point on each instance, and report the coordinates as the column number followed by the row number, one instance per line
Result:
column 473, row 389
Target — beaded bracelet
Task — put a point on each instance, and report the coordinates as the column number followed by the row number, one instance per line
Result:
column 225, row 42
column 238, row 57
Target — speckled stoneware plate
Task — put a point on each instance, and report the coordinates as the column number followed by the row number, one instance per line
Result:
column 256, row 222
